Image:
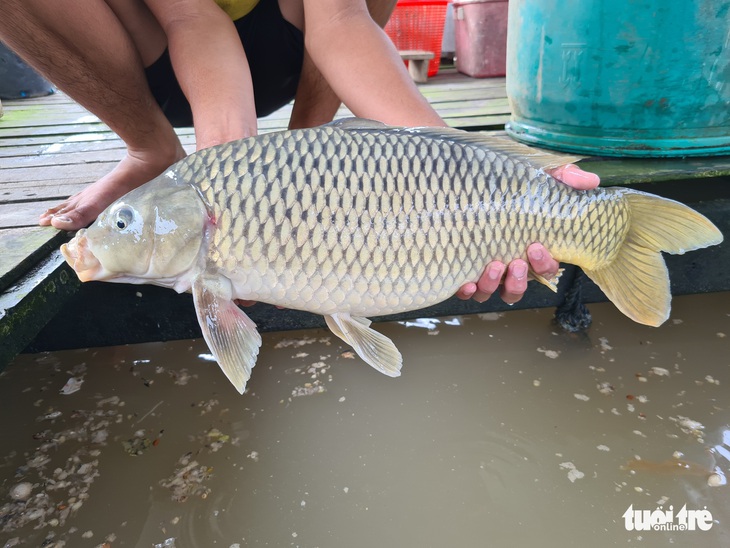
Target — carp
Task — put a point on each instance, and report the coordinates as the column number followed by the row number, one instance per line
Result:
column 356, row 218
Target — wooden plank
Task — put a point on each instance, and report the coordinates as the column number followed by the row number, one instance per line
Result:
column 54, row 145
column 21, row 248
column 69, row 129
column 8, row 146
column 54, row 173
column 65, row 159
column 22, row 214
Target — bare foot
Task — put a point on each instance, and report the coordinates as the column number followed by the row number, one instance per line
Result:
column 135, row 169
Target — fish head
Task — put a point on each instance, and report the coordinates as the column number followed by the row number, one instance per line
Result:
column 154, row 234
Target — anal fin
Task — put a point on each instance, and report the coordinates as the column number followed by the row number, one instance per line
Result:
column 374, row 348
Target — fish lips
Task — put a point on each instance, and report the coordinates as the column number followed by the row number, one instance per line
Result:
column 81, row 259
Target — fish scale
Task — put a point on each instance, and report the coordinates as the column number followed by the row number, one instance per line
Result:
column 425, row 237
column 357, row 219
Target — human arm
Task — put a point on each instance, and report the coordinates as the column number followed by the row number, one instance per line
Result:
column 211, row 67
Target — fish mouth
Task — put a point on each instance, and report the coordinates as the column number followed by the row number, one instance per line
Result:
column 81, row 259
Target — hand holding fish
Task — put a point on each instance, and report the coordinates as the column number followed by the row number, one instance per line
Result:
column 513, row 277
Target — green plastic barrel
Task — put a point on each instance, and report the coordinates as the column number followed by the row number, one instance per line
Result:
column 620, row 78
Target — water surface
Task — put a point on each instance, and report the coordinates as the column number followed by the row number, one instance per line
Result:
column 502, row 431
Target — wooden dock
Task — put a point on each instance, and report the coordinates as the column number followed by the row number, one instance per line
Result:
column 50, row 148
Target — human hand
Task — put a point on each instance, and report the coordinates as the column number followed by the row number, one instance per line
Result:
column 513, row 277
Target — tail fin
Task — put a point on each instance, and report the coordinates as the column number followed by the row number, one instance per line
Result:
column 637, row 281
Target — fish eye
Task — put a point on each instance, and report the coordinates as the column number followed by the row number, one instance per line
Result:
column 124, row 218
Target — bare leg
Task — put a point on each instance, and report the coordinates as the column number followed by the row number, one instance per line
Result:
column 87, row 52
column 316, row 103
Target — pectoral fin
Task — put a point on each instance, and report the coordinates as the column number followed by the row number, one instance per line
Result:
column 374, row 348
column 231, row 335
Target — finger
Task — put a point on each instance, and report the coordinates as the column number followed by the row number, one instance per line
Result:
column 541, row 261
column 466, row 291
column 573, row 176
column 515, row 282
column 489, row 281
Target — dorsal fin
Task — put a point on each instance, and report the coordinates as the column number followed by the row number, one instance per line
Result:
column 536, row 157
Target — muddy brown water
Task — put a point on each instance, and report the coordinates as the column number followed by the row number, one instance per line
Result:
column 500, row 432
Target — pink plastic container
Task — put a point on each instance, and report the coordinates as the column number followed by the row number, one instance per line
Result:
column 480, row 29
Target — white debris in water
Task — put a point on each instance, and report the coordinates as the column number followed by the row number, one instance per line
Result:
column 490, row 316
column 641, row 398
column 689, row 426
column 603, row 448
column 21, row 491
column 346, row 489
column 169, row 543
column 605, row 388
column 604, row 344
column 181, row 377
column 348, row 355
column 87, row 534
column 639, row 433
column 677, row 321
column 639, row 489
column 72, row 385
column 641, row 378
column 573, row 472
column 552, row 354
column 253, row 455
column 342, row 398
column 581, row 397
column 715, row 480
column 113, row 400
column 300, row 355
column 424, row 323
column 659, row 371
column 297, row 343
column 536, row 382
column 206, row 357
column 664, row 499
column 721, row 335
column 187, row 480
column 309, row 389
column 712, row 380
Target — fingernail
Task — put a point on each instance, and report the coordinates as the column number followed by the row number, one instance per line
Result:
column 519, row 271
column 494, row 273
column 575, row 171
column 535, row 254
